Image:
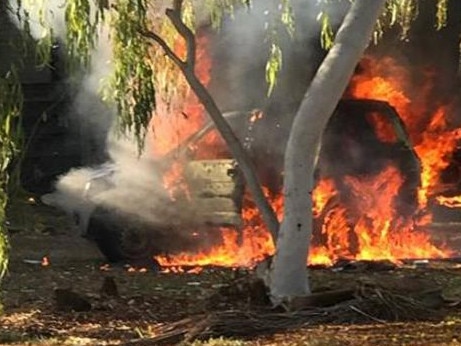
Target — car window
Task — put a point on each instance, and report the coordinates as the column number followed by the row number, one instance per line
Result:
column 210, row 146
column 383, row 127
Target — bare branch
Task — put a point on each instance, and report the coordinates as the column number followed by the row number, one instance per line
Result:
column 174, row 14
column 238, row 152
column 166, row 48
column 236, row 148
column 177, row 5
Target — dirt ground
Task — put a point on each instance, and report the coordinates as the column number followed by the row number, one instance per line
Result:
column 145, row 302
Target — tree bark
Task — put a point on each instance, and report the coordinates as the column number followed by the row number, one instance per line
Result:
column 289, row 277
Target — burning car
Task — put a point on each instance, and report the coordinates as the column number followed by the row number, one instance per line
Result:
column 361, row 139
column 209, row 193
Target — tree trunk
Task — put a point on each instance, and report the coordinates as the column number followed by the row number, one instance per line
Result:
column 288, row 275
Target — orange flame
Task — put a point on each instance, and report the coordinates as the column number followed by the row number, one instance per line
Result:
column 322, row 194
column 383, row 79
column 381, row 233
column 437, row 144
column 368, row 227
column 450, row 202
column 169, row 130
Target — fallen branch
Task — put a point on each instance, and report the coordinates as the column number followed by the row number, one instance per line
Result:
column 169, row 338
column 370, row 304
column 366, row 315
column 170, row 334
column 322, row 299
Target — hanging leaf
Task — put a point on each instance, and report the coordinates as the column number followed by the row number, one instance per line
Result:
column 401, row 13
column 10, row 142
column 81, row 31
column 273, row 67
column 132, row 82
column 287, row 17
column 326, row 30
column 441, row 14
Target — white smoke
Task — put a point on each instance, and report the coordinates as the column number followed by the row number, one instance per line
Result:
column 127, row 181
column 240, row 55
column 40, row 18
column 243, row 49
column 89, row 115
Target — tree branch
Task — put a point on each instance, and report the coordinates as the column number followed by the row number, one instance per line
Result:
column 233, row 143
column 174, row 14
column 177, row 5
column 166, row 48
column 238, row 152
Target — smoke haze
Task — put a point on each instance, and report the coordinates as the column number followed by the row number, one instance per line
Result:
column 131, row 178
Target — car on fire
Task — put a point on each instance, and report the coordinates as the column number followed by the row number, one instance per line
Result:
column 215, row 187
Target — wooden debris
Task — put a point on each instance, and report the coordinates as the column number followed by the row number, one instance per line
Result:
column 321, row 299
column 364, row 266
column 170, row 334
column 168, row 338
column 361, row 304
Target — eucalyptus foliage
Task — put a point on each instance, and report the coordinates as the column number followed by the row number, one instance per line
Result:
column 132, row 82
column 326, row 30
column 10, row 111
column 81, row 20
column 281, row 19
column 218, row 9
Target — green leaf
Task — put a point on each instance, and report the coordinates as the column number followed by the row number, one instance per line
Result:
column 326, row 30
column 442, row 14
column 273, row 67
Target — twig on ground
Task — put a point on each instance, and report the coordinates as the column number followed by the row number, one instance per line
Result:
column 366, row 315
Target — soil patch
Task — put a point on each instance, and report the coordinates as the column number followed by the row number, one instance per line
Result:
column 145, row 304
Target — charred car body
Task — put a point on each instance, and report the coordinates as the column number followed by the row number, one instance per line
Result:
column 350, row 146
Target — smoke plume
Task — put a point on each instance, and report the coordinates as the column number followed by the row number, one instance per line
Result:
column 131, row 178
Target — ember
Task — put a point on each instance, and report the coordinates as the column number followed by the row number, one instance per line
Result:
column 131, row 269
column 451, row 202
column 181, row 269
column 104, row 267
column 45, row 261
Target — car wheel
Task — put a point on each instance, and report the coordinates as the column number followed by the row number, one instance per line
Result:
column 120, row 237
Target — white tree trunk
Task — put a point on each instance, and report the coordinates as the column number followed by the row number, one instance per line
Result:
column 288, row 274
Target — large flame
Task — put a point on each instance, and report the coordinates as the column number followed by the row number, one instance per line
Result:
column 369, row 229
column 377, row 232
column 426, row 120
column 172, row 124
